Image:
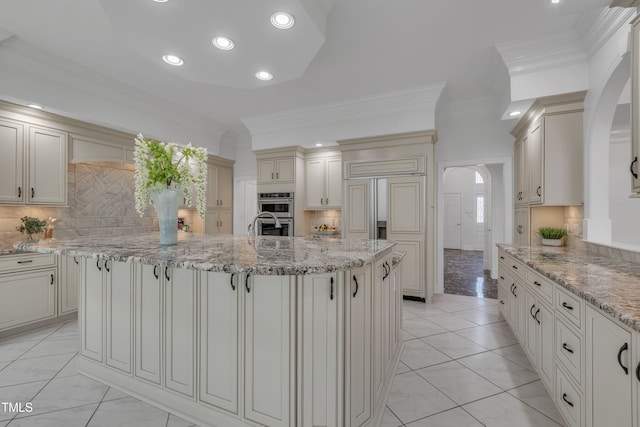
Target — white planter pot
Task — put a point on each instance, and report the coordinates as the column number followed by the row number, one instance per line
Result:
column 553, row 242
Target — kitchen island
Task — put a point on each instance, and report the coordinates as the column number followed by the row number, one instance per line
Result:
column 236, row 330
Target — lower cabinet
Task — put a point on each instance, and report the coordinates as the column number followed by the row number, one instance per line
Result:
column 118, row 279
column 92, row 310
column 609, row 373
column 27, row 297
column 540, row 338
column 68, row 284
column 148, row 322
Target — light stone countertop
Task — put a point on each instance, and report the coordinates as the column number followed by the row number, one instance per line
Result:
column 264, row 255
column 612, row 285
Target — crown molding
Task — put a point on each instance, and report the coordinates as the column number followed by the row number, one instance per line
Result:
column 411, row 99
column 625, row 3
column 527, row 56
column 549, row 105
column 596, row 27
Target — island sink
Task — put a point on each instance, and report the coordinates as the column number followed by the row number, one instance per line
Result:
column 237, row 331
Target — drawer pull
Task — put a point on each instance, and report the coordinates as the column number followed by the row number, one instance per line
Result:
column 515, row 288
column 76, row 261
column 51, row 280
column 246, row 282
column 155, row 271
column 166, row 274
column 566, row 348
column 98, row 264
column 106, row 266
column 501, row 257
column 535, row 282
column 331, row 292
column 635, row 160
column 355, row 279
column 531, row 311
column 33, row 193
column 25, row 261
column 638, row 372
column 536, row 316
column 567, row 306
column 19, row 192
column 567, row 401
column 624, row 347
column 502, row 302
column 515, row 267
column 233, row 287
column 501, row 277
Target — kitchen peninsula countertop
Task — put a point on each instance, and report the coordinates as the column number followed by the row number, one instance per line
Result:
column 612, row 285
column 263, row 255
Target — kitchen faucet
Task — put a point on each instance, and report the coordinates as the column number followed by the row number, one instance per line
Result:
column 250, row 230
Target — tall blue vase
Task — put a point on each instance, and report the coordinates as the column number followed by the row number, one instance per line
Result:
column 166, row 203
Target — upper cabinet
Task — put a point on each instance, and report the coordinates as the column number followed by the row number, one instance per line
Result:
column 33, row 164
column 635, row 104
column 548, row 153
column 276, row 170
column 324, row 182
column 219, row 215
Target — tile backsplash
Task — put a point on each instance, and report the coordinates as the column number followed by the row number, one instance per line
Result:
column 328, row 217
column 100, row 203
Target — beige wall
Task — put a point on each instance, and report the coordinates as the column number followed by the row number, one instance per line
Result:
column 101, row 203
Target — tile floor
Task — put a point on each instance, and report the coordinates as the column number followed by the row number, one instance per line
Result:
column 461, row 366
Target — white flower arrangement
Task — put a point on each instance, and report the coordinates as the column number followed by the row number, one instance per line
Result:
column 155, row 168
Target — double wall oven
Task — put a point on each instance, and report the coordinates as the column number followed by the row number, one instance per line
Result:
column 281, row 205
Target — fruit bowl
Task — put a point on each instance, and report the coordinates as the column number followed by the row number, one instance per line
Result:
column 325, row 232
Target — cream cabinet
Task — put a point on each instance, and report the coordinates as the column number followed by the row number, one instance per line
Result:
column 609, row 372
column 324, row 183
column 218, row 222
column 219, row 214
column 219, row 329
column 118, row 283
column 539, row 338
column 276, row 170
column 534, row 166
column 27, row 297
column 269, row 370
column 149, row 294
column 634, row 168
column 520, row 171
column 320, row 345
column 356, row 218
column 33, row 166
column 521, row 233
column 68, row 284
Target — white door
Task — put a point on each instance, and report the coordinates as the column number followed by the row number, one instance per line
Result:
column 11, row 162
column 315, row 182
column 452, row 221
column 334, row 182
column 47, row 167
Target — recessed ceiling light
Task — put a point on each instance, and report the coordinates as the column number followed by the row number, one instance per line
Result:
column 264, row 75
column 173, row 60
column 160, row 1
column 223, row 43
column 36, row 106
column 319, row 144
column 514, row 113
column 282, row 20
column 555, row 1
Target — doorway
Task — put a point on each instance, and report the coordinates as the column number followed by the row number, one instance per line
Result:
column 472, row 204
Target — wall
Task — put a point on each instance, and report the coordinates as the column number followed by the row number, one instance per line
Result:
column 101, row 203
column 462, row 180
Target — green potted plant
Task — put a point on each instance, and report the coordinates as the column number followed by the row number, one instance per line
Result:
column 31, row 226
column 552, row 236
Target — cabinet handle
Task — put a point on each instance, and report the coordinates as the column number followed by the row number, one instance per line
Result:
column 76, row 261
column 501, row 277
column 531, row 311
column 624, row 347
column 33, row 193
column 19, row 192
column 515, row 288
column 106, row 266
column 155, row 271
column 566, row 348
column 271, row 175
column 536, row 316
column 355, row 279
column 51, row 279
column 331, row 293
column 539, row 191
column 25, row 261
column 501, row 302
column 564, row 397
column 166, row 274
column 233, row 287
column 512, row 285
column 535, row 282
column 515, row 267
column 98, row 264
column 277, row 175
column 246, row 282
column 635, row 160
column 567, row 306
column 501, row 257
column 638, row 372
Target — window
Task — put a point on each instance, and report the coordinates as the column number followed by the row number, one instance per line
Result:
column 479, row 179
column 479, row 209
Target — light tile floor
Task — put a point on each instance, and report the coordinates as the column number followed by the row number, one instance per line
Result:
column 461, row 366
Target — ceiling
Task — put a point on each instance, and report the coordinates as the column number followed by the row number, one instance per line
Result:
column 338, row 50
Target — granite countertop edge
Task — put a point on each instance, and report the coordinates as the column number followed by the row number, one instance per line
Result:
column 615, row 290
column 184, row 255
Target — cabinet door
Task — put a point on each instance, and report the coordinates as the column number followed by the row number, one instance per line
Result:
column 358, row 342
column 377, row 316
column 609, row 374
column 212, row 187
column 219, row 331
column 47, row 167
column 269, row 350
column 225, row 222
column 119, row 314
column 357, row 220
column 333, row 192
column 405, row 205
column 180, row 329
column 92, row 310
column 315, row 170
column 532, row 334
column 68, row 284
column 148, row 322
column 27, row 297
column 521, row 308
column 266, row 171
column 412, row 267
column 518, row 172
column 285, row 170
column 211, row 221
column 320, row 343
column 635, row 106
column 12, row 188
column 535, row 154
column 225, row 187
column 546, row 348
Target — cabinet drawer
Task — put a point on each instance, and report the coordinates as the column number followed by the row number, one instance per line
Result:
column 568, row 399
column 25, row 261
column 541, row 285
column 570, row 306
column 569, row 350
column 517, row 269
